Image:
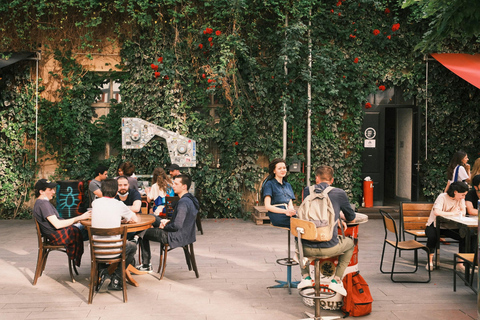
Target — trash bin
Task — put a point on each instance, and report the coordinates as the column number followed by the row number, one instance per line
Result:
column 368, row 192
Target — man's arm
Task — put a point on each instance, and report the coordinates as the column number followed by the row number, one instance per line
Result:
column 59, row 224
column 98, row 193
column 470, row 209
column 346, row 208
column 178, row 218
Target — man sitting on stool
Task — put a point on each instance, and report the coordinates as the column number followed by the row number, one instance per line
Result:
column 179, row 230
column 338, row 245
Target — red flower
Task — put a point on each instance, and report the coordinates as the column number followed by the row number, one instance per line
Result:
column 157, row 74
column 210, row 80
column 160, row 59
column 154, row 66
column 352, row 36
column 339, row 14
column 376, row 32
column 218, row 32
column 210, row 39
column 211, row 44
column 381, row 88
column 208, row 30
column 339, row 3
column 368, row 105
column 353, row 22
column 395, row 27
column 236, row 143
column 344, row 77
column 389, row 37
column 355, row 60
column 387, row 11
column 332, row 11
column 204, row 31
column 204, row 76
column 166, row 78
column 200, row 46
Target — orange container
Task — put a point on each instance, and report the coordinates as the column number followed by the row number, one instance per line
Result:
column 368, row 193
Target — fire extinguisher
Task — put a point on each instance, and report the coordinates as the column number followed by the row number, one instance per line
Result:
column 368, row 192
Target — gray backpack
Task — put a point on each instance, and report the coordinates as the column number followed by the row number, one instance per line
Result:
column 318, row 208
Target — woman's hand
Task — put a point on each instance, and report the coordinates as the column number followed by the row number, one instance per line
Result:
column 290, row 212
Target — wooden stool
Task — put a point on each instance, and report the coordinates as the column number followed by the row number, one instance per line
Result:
column 288, row 262
column 307, row 229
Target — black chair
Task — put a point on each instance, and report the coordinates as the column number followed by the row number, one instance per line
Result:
column 409, row 245
column 467, row 275
column 44, row 248
column 101, row 251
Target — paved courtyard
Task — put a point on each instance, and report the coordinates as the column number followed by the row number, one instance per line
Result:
column 236, row 262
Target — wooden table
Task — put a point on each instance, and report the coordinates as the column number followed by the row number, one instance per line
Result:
column 467, row 227
column 144, row 222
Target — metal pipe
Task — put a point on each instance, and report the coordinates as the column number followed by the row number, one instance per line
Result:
column 426, row 108
column 284, row 102
column 309, row 103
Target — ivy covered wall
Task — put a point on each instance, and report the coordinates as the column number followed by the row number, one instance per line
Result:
column 215, row 71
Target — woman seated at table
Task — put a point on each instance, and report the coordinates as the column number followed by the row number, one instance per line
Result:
column 161, row 187
column 278, row 194
column 451, row 203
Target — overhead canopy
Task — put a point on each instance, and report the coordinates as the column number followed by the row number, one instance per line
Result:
column 15, row 57
column 466, row 66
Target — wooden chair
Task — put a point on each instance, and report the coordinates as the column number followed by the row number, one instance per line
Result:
column 307, row 230
column 413, row 218
column 410, row 245
column 44, row 248
column 101, row 251
column 471, row 261
column 189, row 259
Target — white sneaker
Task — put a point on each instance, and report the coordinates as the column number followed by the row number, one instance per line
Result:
column 306, row 282
column 337, row 287
column 431, row 266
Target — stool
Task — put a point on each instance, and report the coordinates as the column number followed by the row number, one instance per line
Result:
column 305, row 229
column 288, row 262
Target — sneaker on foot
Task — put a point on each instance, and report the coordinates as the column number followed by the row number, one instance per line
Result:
column 135, row 239
column 145, row 267
column 306, row 282
column 116, row 283
column 104, row 281
column 431, row 266
column 337, row 287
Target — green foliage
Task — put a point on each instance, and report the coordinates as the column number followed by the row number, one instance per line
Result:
column 231, row 92
column 17, row 118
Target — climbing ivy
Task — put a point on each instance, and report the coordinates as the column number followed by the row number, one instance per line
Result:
column 215, row 71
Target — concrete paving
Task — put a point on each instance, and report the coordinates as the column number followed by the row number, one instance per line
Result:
column 236, row 262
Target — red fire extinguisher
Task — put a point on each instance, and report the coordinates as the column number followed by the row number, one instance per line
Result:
column 368, row 192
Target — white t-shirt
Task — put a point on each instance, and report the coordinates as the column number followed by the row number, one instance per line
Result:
column 154, row 193
column 108, row 213
column 462, row 174
column 447, row 204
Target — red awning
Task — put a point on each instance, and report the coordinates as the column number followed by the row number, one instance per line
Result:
column 466, row 66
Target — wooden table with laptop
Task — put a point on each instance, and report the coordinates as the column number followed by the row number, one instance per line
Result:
column 144, row 222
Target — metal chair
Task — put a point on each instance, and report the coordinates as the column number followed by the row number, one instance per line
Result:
column 471, row 261
column 112, row 243
column 44, row 248
column 391, row 226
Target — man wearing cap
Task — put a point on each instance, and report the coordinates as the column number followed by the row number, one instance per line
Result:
column 174, row 170
column 57, row 230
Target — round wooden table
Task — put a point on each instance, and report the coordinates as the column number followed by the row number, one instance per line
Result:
column 144, row 222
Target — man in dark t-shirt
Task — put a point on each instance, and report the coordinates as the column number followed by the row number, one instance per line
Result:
column 471, row 199
column 129, row 196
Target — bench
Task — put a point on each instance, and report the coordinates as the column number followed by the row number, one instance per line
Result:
column 413, row 218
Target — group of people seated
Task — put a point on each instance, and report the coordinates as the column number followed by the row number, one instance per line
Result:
column 117, row 201
column 278, row 199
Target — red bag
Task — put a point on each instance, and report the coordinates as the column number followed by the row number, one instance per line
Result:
column 358, row 301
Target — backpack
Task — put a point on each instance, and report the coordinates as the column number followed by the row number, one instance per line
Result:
column 358, row 301
column 318, row 208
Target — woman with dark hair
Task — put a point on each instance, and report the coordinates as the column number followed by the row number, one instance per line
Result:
column 161, row 187
column 458, row 169
column 451, row 203
column 277, row 194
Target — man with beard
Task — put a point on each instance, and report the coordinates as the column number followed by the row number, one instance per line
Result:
column 128, row 195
